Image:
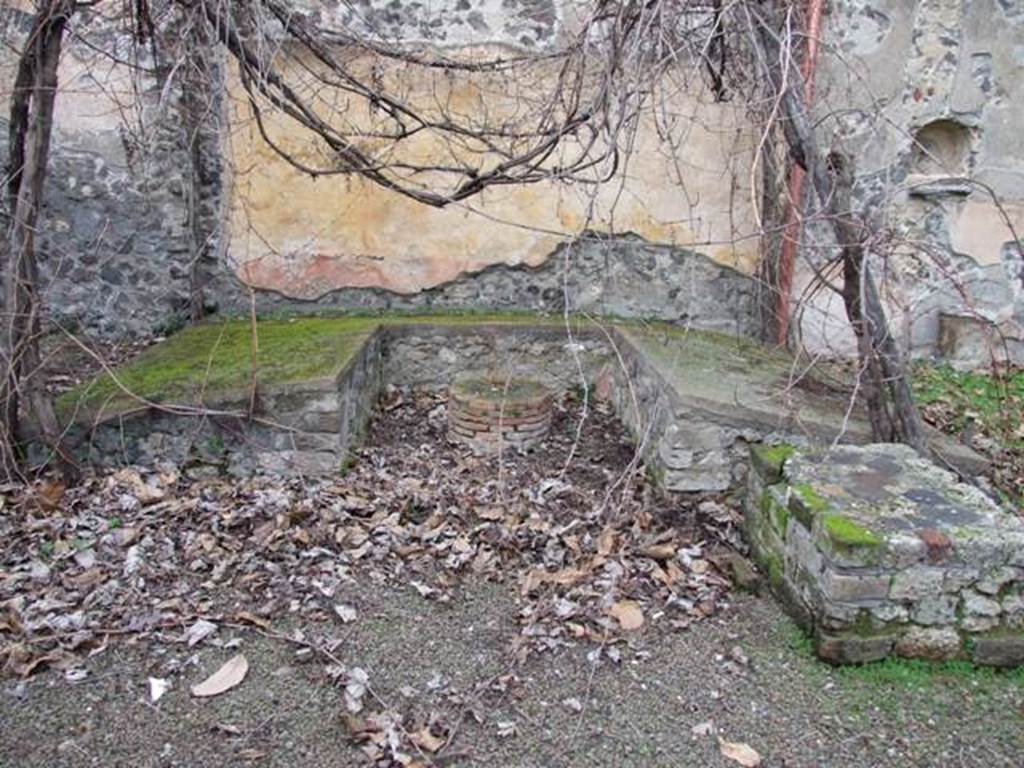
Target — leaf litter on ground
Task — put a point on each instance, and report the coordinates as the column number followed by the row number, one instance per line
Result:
column 593, row 554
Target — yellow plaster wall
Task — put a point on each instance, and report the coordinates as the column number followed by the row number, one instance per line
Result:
column 305, row 237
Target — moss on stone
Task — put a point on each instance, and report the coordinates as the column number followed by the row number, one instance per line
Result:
column 768, row 460
column 813, row 500
column 214, row 359
column 774, row 569
column 846, row 533
column 806, row 503
column 210, row 363
column 775, row 513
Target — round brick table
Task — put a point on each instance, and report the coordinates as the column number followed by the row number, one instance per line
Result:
column 494, row 414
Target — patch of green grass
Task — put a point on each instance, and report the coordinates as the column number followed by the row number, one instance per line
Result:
column 995, row 402
column 986, row 404
column 845, row 532
column 801, row 642
column 347, row 463
column 894, row 686
column 917, row 673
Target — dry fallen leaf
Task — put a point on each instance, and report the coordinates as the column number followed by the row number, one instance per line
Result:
column 251, row 618
column 703, row 729
column 426, row 740
column 505, row 728
column 628, row 614
column 741, row 753
column 660, row 551
column 199, row 632
column 224, row 679
column 48, row 494
column 346, row 613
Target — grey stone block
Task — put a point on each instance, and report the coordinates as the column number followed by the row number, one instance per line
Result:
column 896, row 541
column 854, row 650
column 998, row 651
column 930, row 643
column 853, row 588
column 979, row 605
column 918, row 582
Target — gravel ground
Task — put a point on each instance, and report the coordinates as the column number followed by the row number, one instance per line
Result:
column 745, row 671
column 499, row 673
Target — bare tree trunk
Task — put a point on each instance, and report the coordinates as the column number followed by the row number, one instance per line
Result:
column 199, row 79
column 31, row 129
column 892, row 411
column 773, row 215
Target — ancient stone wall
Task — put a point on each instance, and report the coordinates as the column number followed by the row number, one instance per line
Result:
column 115, row 240
column 157, row 191
column 878, row 552
column 925, row 97
column 618, row 277
column 146, row 204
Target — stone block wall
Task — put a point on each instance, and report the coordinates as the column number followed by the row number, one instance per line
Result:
column 307, row 428
column 877, row 552
column 689, row 444
column 132, row 204
column 310, row 427
column 433, row 356
column 685, row 448
column 610, row 276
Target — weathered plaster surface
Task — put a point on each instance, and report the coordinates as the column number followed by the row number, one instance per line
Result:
column 521, row 23
column 121, row 247
column 903, row 65
column 306, row 237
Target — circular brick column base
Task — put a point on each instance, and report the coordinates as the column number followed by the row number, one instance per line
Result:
column 490, row 415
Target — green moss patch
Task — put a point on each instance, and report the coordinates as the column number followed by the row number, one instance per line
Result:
column 806, row 503
column 215, row 359
column 846, row 533
column 775, row 513
column 211, row 361
column 917, row 673
column 768, row 460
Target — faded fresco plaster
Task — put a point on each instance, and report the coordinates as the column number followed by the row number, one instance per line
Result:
column 305, row 237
